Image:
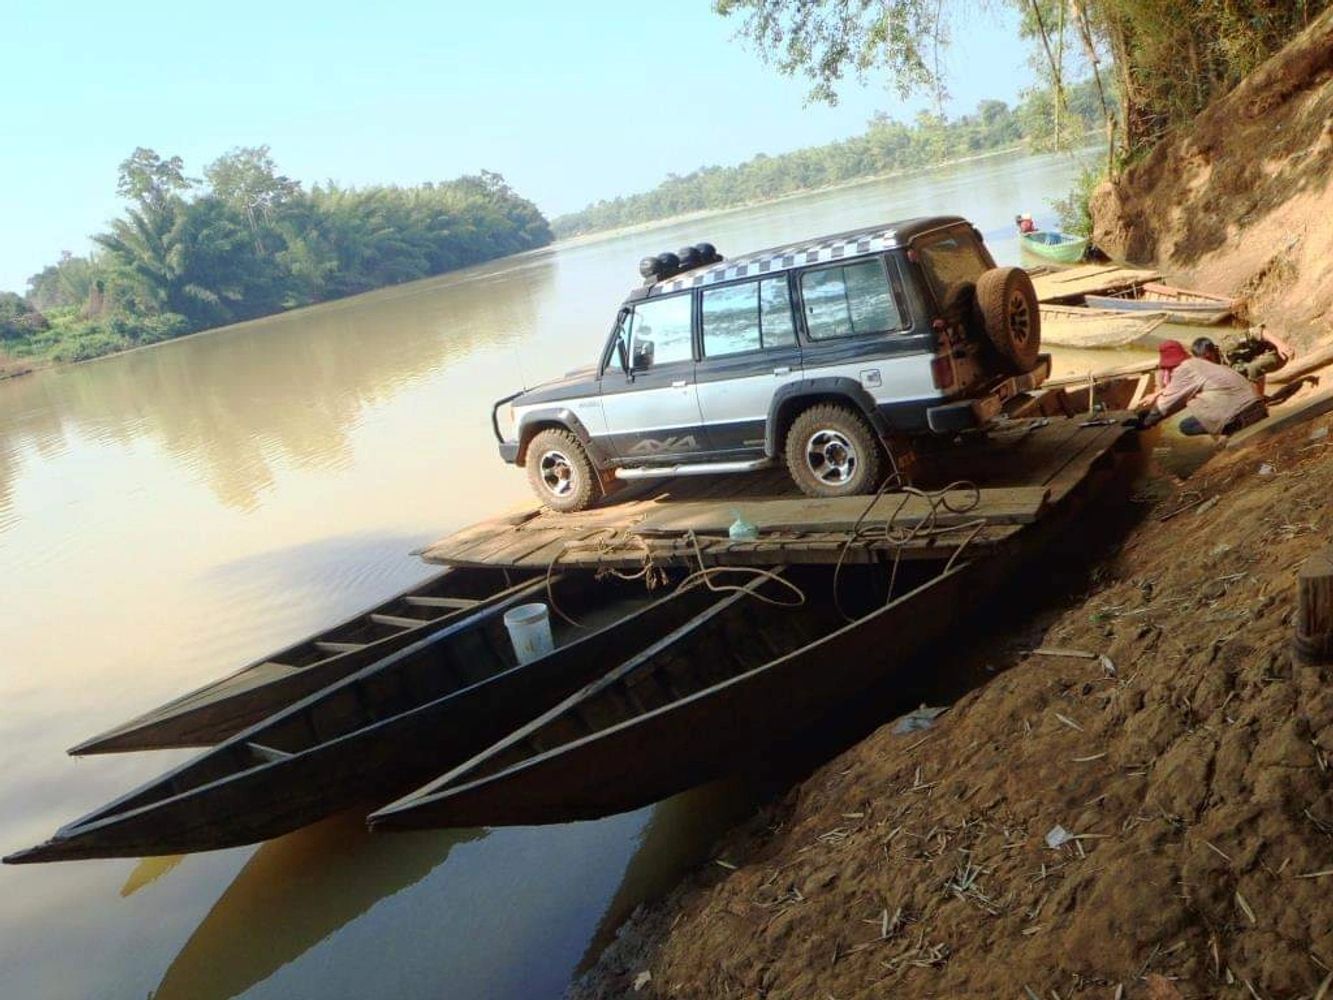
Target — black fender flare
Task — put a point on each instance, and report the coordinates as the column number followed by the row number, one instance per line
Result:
column 560, row 416
column 791, row 395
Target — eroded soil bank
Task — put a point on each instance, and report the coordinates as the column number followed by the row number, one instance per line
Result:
column 1190, row 768
column 1242, row 202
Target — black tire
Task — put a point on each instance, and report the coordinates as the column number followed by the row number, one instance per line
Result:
column 1007, row 311
column 559, row 471
column 832, row 452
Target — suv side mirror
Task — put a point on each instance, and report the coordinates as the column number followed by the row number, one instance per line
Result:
column 643, row 356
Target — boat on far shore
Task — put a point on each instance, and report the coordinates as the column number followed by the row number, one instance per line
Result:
column 1181, row 305
column 1052, row 245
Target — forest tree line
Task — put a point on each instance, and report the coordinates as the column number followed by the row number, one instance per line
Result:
column 246, row 241
column 886, row 146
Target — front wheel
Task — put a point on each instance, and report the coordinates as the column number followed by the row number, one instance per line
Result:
column 832, row 452
column 559, row 471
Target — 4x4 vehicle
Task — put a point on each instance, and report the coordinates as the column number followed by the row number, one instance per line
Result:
column 822, row 353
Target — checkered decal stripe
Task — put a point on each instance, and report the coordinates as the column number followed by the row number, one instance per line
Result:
column 781, row 259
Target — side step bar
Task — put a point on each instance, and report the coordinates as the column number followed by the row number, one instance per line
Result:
column 698, row 469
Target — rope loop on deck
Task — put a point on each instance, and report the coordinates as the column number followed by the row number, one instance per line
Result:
column 900, row 536
column 704, row 574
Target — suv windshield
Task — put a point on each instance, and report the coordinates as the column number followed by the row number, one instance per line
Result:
column 952, row 263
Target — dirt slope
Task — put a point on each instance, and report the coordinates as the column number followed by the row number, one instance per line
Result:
column 1196, row 779
column 1242, row 201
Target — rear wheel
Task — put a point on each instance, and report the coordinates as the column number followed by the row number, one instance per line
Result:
column 832, row 452
column 1007, row 309
column 559, row 471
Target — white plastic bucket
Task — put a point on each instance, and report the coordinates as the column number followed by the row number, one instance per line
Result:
column 529, row 628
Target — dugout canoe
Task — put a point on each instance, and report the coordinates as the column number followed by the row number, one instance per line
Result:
column 1082, row 327
column 685, row 710
column 1059, row 247
column 381, row 731
column 222, row 708
column 1181, row 305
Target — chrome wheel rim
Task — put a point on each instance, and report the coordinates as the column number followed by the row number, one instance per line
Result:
column 831, row 457
column 557, row 473
column 1020, row 319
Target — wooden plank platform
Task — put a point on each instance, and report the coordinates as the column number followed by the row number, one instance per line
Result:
column 1022, row 472
column 1072, row 283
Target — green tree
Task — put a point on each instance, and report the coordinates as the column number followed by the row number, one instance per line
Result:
column 247, row 179
column 1169, row 58
column 69, row 283
column 827, row 41
column 148, row 179
column 18, row 319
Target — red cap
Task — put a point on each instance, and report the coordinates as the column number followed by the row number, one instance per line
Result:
column 1171, row 354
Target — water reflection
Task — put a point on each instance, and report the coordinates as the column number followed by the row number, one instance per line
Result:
column 148, row 871
column 292, row 894
column 229, row 406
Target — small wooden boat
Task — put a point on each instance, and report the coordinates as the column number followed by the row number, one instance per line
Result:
column 1079, row 326
column 683, row 711
column 1181, row 305
column 224, row 707
column 1059, row 247
column 381, row 731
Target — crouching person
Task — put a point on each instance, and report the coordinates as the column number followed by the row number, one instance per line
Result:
column 1220, row 400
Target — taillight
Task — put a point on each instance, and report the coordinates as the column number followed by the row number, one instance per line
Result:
column 941, row 371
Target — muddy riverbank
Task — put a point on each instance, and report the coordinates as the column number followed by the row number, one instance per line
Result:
column 1157, row 718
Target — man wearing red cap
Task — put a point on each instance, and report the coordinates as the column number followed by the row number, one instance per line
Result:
column 1221, row 400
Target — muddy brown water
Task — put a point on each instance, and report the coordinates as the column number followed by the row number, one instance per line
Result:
column 168, row 514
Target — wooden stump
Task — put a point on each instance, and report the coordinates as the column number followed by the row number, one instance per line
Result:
column 1313, row 641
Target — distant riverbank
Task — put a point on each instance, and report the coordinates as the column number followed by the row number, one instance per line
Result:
column 595, row 236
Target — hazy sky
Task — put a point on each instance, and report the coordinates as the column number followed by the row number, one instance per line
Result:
column 570, row 101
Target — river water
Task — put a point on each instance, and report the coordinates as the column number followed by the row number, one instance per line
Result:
column 169, row 514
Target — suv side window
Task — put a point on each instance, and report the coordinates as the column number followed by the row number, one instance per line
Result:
column 849, row 300
column 952, row 264
column 660, row 332
column 749, row 316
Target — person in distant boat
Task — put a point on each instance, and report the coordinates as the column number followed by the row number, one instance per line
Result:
column 1221, row 400
column 1024, row 223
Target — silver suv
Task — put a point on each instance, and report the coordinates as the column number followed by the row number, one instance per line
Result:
column 826, row 354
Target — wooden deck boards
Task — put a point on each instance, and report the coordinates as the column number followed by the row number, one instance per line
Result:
column 1072, row 283
column 1022, row 471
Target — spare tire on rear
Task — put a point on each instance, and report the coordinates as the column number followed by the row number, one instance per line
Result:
column 1007, row 310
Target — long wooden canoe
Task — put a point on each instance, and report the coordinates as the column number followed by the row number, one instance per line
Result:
column 379, row 732
column 224, row 707
column 1181, row 305
column 685, row 710
column 1080, row 326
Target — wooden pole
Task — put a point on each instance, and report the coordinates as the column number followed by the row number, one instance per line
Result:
column 1313, row 641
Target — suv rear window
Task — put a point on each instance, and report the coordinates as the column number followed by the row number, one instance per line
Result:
column 849, row 300
column 952, row 264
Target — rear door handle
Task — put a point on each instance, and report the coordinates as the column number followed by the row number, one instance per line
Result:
column 782, row 370
column 679, row 384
